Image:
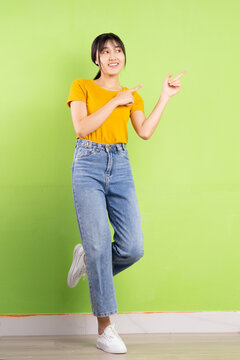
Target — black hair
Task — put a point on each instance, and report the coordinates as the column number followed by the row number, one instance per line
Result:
column 98, row 45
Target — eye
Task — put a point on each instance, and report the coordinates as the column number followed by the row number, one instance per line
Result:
column 107, row 50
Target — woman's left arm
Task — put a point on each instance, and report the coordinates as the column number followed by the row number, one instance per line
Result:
column 146, row 127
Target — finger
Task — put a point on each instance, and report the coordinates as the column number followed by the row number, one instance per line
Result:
column 135, row 88
column 179, row 75
column 173, row 82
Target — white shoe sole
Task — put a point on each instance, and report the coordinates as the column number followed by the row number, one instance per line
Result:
column 77, row 252
column 112, row 352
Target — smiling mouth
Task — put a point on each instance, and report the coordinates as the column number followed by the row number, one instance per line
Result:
column 113, row 65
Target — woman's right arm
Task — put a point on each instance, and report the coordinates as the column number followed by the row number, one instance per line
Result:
column 85, row 124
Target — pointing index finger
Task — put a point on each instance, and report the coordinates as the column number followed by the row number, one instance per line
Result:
column 179, row 75
column 135, row 88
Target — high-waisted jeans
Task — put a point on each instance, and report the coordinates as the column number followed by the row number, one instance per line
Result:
column 103, row 187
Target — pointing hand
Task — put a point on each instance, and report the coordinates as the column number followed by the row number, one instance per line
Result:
column 125, row 97
column 172, row 87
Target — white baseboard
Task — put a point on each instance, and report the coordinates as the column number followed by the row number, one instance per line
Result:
column 126, row 323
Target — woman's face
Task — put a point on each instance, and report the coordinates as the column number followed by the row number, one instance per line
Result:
column 111, row 54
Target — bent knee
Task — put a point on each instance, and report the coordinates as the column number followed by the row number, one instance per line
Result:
column 137, row 253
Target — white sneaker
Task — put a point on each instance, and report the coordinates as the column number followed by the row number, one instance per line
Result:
column 78, row 267
column 110, row 341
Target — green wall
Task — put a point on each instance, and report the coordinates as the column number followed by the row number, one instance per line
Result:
column 187, row 175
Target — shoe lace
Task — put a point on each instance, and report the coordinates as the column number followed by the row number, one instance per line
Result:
column 113, row 333
column 82, row 271
column 84, row 274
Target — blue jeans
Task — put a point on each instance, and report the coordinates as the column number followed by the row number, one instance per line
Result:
column 103, row 184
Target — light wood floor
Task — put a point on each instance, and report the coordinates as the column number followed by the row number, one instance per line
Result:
column 140, row 347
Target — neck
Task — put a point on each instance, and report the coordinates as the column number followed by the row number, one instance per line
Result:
column 108, row 81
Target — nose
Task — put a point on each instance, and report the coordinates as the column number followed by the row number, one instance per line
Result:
column 112, row 60
column 112, row 56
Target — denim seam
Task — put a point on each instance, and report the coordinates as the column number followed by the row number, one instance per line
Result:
column 122, row 154
column 106, row 314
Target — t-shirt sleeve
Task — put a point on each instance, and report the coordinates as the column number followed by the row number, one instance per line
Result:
column 138, row 103
column 77, row 92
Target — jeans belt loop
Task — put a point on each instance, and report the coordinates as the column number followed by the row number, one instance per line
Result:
column 123, row 147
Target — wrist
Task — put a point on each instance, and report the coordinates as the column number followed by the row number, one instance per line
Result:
column 114, row 101
column 164, row 97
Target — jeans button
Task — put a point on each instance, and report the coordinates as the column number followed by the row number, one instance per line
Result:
column 87, row 143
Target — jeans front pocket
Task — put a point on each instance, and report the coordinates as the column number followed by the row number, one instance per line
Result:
column 124, row 153
column 83, row 152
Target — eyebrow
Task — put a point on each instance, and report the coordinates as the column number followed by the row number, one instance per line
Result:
column 109, row 48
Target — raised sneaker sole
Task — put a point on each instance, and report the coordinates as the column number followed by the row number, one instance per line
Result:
column 72, row 280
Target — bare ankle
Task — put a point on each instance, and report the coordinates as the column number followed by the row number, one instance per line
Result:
column 103, row 322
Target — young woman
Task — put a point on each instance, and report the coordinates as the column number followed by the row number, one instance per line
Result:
column 102, row 179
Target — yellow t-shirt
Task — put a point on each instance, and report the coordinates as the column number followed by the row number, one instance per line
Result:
column 114, row 128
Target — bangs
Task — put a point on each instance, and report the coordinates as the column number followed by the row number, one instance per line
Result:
column 114, row 42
